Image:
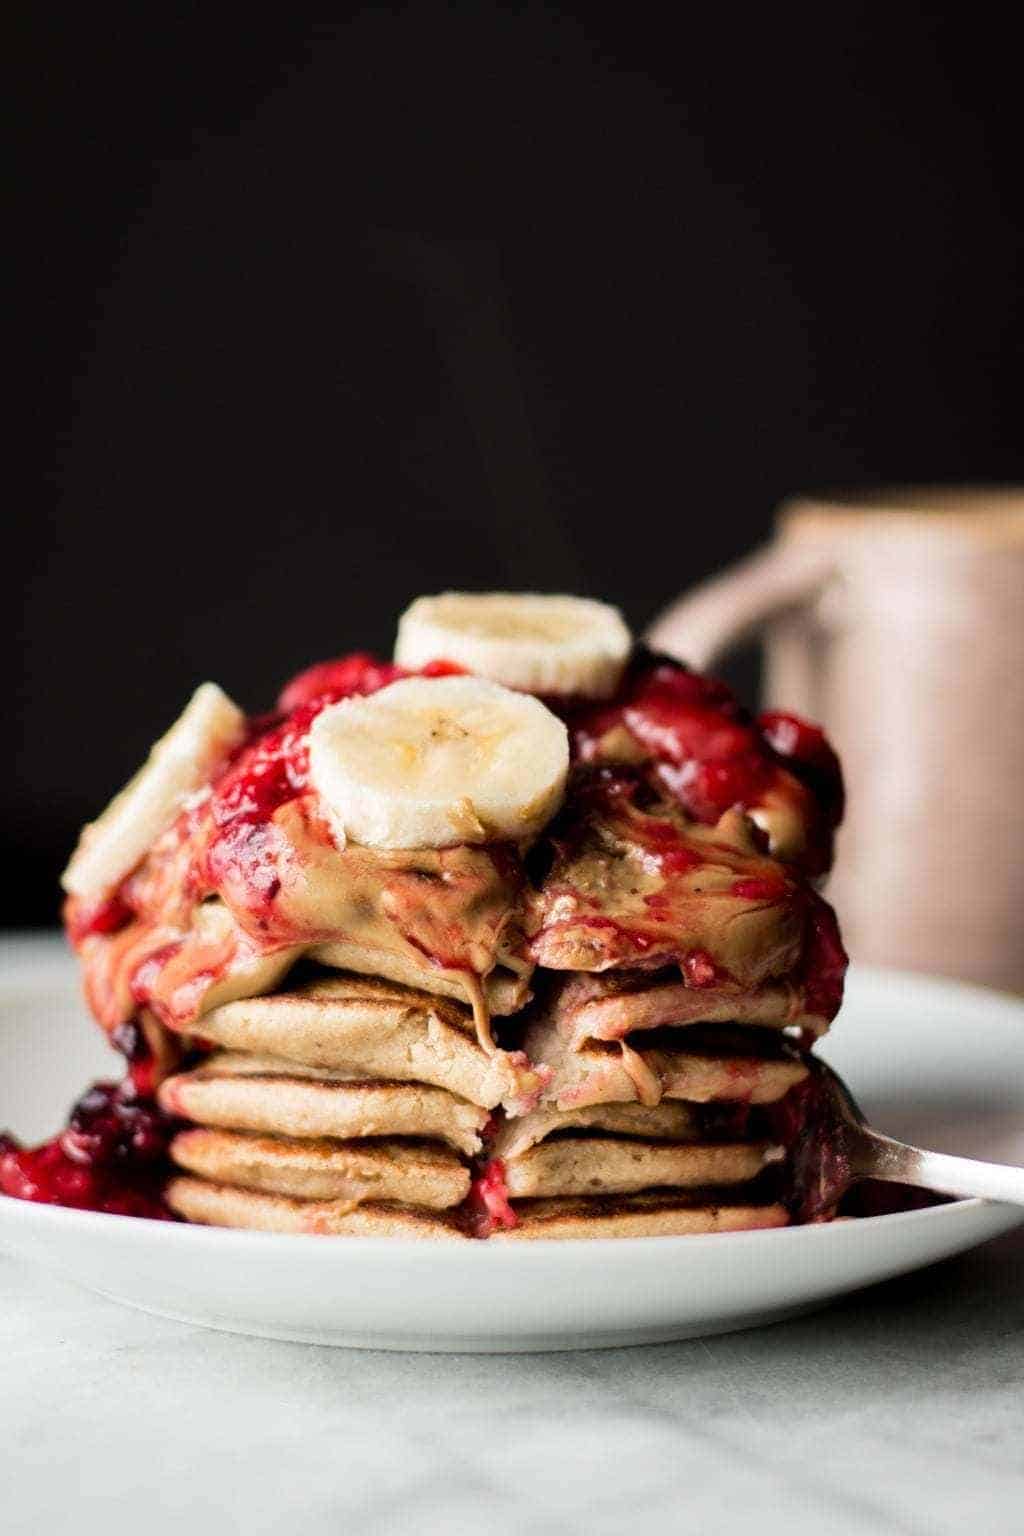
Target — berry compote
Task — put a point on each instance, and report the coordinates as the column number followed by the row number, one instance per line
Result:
column 111, row 1156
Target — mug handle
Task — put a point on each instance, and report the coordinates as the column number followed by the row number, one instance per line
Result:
column 709, row 620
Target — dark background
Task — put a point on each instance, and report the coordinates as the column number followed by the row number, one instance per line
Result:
column 318, row 317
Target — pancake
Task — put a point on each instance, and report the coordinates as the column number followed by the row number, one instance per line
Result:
column 221, row 1205
column 378, row 1030
column 719, row 1066
column 258, row 1064
column 668, row 1121
column 593, row 1165
column 412, row 1173
column 505, row 991
column 609, row 1005
column 236, row 1092
column 652, row 1215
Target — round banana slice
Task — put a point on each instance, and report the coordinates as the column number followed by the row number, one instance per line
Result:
column 540, row 644
column 182, row 761
column 428, row 762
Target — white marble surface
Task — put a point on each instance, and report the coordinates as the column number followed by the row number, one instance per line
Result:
column 900, row 1410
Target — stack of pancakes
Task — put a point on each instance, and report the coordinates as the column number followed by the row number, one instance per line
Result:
column 347, row 1105
column 582, row 1095
column 421, row 954
column 354, row 1106
column 667, row 1130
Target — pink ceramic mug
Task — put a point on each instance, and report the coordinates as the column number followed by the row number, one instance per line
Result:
column 896, row 619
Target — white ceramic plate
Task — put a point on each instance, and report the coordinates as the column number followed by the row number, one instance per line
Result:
column 927, row 1059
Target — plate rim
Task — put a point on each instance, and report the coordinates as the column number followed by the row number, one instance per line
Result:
column 198, row 1234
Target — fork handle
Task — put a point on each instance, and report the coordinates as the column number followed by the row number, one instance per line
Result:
column 879, row 1157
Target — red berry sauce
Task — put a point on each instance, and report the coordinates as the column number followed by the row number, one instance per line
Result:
column 824, row 960
column 108, row 916
column 359, row 673
column 712, row 755
column 112, row 1156
column 488, row 1203
column 808, row 754
column 699, row 969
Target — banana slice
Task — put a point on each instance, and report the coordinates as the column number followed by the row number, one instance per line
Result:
column 428, row 762
column 182, row 761
column 540, row 644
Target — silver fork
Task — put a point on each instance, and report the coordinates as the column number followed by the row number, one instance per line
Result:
column 838, row 1149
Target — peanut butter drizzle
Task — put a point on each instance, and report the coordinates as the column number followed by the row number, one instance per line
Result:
column 644, row 1079
column 481, row 1013
column 409, row 914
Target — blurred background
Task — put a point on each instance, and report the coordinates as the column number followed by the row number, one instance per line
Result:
column 313, row 318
